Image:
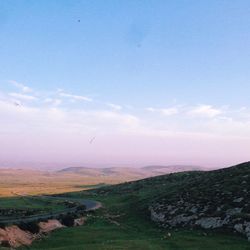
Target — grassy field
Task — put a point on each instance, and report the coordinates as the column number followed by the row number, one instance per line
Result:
column 32, row 182
column 120, row 225
column 16, row 207
column 30, row 202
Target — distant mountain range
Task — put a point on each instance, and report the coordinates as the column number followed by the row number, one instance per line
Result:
column 33, row 181
column 139, row 173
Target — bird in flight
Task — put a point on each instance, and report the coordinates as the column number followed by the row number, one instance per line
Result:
column 17, row 104
column 92, row 139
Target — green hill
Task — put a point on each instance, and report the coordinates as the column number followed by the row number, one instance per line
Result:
column 217, row 199
column 132, row 213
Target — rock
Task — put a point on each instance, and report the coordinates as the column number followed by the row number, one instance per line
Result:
column 49, row 226
column 239, row 228
column 79, row 222
column 238, row 199
column 247, row 230
column 194, row 210
column 180, row 220
column 15, row 237
column 233, row 211
column 211, row 222
column 156, row 217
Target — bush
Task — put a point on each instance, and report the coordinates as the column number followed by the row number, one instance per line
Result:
column 81, row 208
column 67, row 220
column 3, row 225
column 29, row 226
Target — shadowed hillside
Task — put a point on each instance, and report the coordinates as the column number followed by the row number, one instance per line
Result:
column 218, row 199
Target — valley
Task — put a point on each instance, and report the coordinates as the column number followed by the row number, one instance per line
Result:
column 24, row 181
column 156, row 213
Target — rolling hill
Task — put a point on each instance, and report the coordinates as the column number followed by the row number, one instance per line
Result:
column 218, row 199
column 32, row 181
column 188, row 210
column 139, row 173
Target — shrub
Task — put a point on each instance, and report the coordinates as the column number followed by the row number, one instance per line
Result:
column 68, row 220
column 29, row 226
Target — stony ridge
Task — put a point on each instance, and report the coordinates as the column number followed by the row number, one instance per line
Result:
column 212, row 200
column 218, row 199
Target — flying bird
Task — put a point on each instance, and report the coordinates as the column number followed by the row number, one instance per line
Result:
column 17, row 104
column 92, row 139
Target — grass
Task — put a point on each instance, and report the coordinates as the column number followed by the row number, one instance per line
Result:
column 37, row 205
column 120, row 225
column 124, row 224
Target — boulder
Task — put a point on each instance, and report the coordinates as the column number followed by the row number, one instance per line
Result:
column 79, row 221
column 211, row 222
column 50, row 225
column 13, row 236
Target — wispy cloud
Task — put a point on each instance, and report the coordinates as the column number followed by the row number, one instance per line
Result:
column 54, row 129
column 75, row 97
column 169, row 111
column 179, row 118
column 62, row 121
column 53, row 101
column 23, row 96
column 164, row 111
column 205, row 111
column 20, row 86
column 114, row 106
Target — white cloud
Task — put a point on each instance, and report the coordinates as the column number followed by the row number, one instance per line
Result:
column 179, row 119
column 21, row 86
column 150, row 109
column 164, row 111
column 53, row 101
column 23, row 96
column 204, row 111
column 59, row 121
column 114, row 106
column 169, row 111
column 75, row 97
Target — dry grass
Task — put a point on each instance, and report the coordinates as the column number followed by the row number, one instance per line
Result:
column 30, row 182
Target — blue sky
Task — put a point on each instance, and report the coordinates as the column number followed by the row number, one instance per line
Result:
column 181, row 67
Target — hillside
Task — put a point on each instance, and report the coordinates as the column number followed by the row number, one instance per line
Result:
column 132, row 213
column 111, row 172
column 175, row 212
column 217, row 199
column 31, row 181
column 138, row 173
column 160, row 170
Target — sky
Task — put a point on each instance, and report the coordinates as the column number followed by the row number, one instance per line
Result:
column 124, row 83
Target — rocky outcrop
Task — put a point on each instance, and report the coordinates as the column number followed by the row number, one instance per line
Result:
column 206, row 216
column 243, row 228
column 13, row 236
column 210, row 200
column 50, row 225
column 79, row 221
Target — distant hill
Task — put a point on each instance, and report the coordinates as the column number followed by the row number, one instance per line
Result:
column 33, row 181
column 139, row 173
column 158, row 170
column 218, row 199
column 95, row 172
